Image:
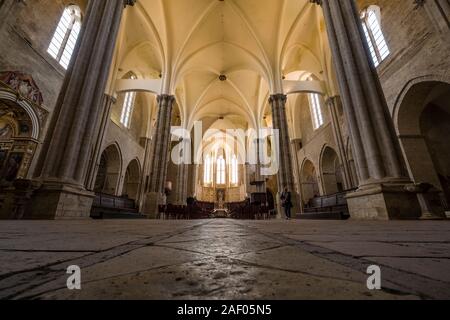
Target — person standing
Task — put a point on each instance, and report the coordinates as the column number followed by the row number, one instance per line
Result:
column 286, row 201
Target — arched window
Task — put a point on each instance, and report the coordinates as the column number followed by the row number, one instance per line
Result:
column 234, row 172
column 221, row 171
column 316, row 110
column 208, row 170
column 371, row 21
column 128, row 105
column 315, row 103
column 63, row 42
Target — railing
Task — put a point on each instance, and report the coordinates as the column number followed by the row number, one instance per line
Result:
column 335, row 203
column 108, row 206
column 113, row 202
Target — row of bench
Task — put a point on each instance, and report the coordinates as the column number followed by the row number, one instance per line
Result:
column 327, row 207
column 111, row 207
column 191, row 212
column 248, row 211
column 204, row 210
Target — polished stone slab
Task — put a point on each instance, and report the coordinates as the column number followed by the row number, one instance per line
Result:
column 224, row 259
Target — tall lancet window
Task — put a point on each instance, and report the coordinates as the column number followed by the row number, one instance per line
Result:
column 234, row 172
column 316, row 110
column 128, row 105
column 63, row 42
column 221, row 171
column 371, row 21
column 208, row 171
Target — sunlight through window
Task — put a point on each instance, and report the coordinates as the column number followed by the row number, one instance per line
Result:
column 65, row 38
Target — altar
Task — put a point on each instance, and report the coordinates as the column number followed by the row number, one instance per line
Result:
column 220, row 211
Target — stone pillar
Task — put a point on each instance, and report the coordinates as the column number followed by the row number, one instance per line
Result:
column 184, row 158
column 296, row 143
column 333, row 104
column 193, row 169
column 145, row 176
column 377, row 152
column 64, row 160
column 159, row 155
column 181, row 187
column 283, row 151
column 105, row 114
column 260, row 180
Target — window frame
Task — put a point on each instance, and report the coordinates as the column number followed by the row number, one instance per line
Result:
column 234, row 171
column 208, row 171
column 374, row 35
column 66, row 35
column 221, row 171
column 315, row 105
column 128, row 105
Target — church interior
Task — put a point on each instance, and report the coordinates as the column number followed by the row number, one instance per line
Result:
column 128, row 127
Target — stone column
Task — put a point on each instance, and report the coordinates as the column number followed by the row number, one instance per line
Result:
column 145, row 176
column 94, row 163
column 333, row 104
column 259, row 178
column 181, row 187
column 283, row 150
column 184, row 158
column 160, row 156
column 193, row 169
column 296, row 144
column 377, row 152
column 63, row 164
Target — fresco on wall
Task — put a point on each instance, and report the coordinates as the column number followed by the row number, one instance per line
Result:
column 22, row 84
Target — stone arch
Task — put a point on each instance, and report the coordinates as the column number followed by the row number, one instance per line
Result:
column 109, row 170
column 309, row 181
column 20, row 129
column 331, row 171
column 9, row 98
column 132, row 180
column 422, row 120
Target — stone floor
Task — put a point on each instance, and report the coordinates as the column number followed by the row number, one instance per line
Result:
column 224, row 259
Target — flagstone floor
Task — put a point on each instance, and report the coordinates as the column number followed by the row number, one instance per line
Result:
column 224, row 259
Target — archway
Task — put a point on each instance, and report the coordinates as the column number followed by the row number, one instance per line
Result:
column 423, row 123
column 22, row 116
column 331, row 172
column 132, row 180
column 109, row 171
column 310, row 184
column 17, row 145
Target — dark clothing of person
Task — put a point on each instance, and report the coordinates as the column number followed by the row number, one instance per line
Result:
column 190, row 201
column 286, row 199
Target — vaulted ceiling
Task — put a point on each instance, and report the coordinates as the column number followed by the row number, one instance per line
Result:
column 189, row 44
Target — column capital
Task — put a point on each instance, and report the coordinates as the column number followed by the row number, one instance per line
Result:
column 111, row 98
column 331, row 100
column 129, row 2
column 296, row 141
column 278, row 97
column 165, row 98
